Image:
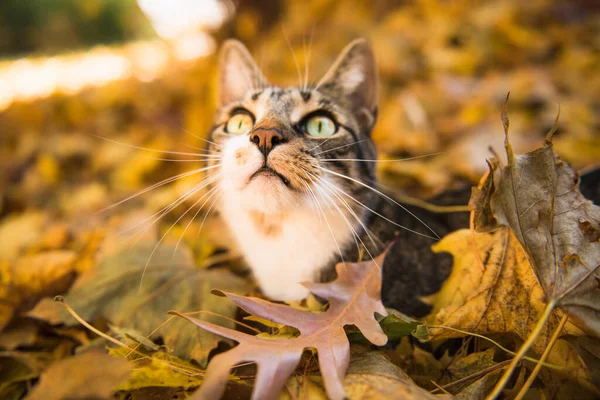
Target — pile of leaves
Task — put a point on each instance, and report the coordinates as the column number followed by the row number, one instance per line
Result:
column 525, row 275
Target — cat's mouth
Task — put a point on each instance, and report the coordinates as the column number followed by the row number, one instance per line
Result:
column 270, row 172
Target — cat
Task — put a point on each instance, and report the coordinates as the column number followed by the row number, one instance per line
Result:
column 296, row 175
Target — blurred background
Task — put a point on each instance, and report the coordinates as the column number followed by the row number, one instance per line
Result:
column 85, row 84
column 99, row 98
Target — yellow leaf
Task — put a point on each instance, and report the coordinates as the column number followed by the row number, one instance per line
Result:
column 32, row 277
column 492, row 289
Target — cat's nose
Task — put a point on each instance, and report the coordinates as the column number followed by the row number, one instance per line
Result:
column 266, row 137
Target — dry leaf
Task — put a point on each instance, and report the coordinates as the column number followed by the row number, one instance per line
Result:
column 92, row 375
column 372, row 375
column 32, row 277
column 112, row 290
column 491, row 290
column 500, row 295
column 155, row 372
column 15, row 374
column 354, row 298
column 471, row 364
column 479, row 389
column 18, row 232
column 538, row 197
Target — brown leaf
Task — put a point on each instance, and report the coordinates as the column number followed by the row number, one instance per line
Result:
column 112, row 290
column 471, row 364
column 93, row 374
column 492, row 289
column 538, row 197
column 479, row 389
column 372, row 375
column 354, row 298
column 500, row 295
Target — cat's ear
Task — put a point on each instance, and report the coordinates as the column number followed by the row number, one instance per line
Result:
column 238, row 73
column 352, row 80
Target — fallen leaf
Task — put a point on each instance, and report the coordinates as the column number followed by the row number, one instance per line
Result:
column 112, row 290
column 158, row 371
column 31, row 277
column 479, row 389
column 15, row 374
column 22, row 334
column 538, row 197
column 588, row 349
column 500, row 295
column 93, row 374
column 18, row 232
column 354, row 298
column 372, row 375
column 471, row 364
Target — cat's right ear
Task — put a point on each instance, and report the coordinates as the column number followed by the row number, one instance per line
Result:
column 238, row 73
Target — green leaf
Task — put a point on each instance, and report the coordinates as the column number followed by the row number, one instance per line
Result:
column 171, row 281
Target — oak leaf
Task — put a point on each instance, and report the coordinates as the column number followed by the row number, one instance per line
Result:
column 354, row 298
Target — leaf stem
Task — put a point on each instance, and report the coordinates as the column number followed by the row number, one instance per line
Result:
column 521, row 353
column 177, row 367
column 537, row 368
column 544, row 364
column 474, row 375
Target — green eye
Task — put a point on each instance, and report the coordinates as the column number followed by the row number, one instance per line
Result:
column 320, row 126
column 239, row 123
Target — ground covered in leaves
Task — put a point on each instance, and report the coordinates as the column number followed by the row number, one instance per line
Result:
column 446, row 68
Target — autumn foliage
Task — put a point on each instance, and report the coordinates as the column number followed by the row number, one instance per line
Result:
column 518, row 316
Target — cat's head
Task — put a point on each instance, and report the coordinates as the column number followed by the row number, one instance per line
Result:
column 288, row 147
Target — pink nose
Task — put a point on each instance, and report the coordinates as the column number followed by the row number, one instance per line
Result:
column 266, row 135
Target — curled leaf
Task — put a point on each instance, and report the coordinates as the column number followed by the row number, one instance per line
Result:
column 538, row 197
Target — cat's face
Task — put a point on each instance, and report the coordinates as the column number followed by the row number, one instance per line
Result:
column 284, row 148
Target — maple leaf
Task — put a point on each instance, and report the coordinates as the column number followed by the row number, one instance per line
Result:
column 538, row 197
column 354, row 298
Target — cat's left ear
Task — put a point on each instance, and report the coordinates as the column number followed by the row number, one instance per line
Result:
column 238, row 73
column 352, row 81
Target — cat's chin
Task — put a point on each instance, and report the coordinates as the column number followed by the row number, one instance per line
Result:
column 268, row 193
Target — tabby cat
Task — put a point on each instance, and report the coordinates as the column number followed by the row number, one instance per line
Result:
column 297, row 186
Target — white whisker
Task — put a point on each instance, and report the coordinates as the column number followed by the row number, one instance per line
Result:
column 193, row 218
column 345, row 203
column 313, row 197
column 329, row 226
column 321, row 144
column 145, row 148
column 355, row 235
column 197, row 137
column 208, row 212
column 384, row 196
column 287, row 40
column 157, row 185
column 383, row 160
column 165, row 235
column 165, row 210
column 340, row 147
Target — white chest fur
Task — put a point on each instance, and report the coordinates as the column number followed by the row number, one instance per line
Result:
column 292, row 249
